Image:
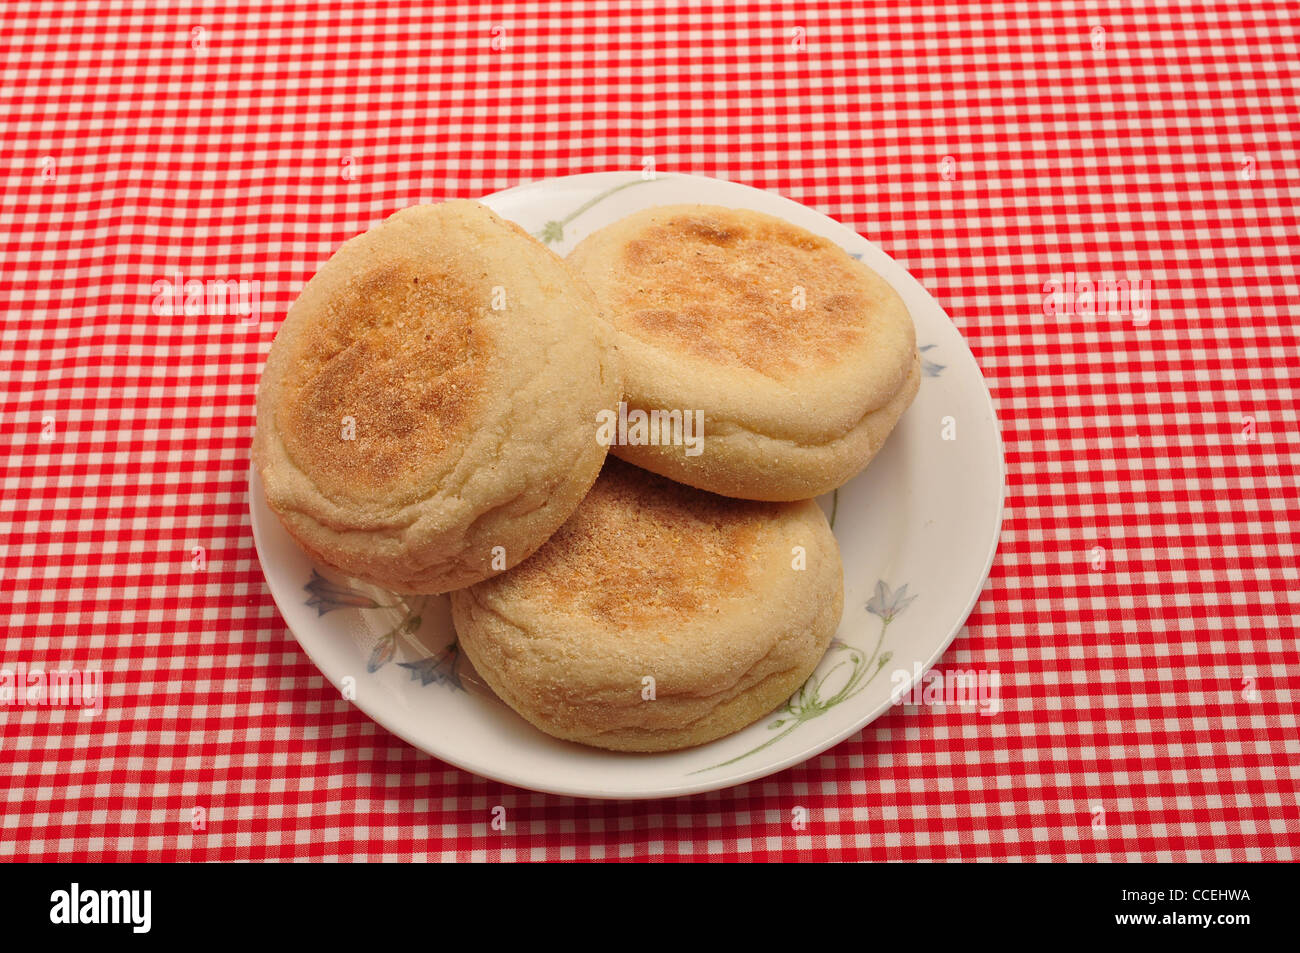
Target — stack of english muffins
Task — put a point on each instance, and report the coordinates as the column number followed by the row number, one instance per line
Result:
column 437, row 412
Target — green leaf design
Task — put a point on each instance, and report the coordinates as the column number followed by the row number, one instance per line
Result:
column 553, row 231
column 327, row 596
column 807, row 703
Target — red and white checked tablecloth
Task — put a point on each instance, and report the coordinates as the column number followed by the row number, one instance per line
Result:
column 1142, row 610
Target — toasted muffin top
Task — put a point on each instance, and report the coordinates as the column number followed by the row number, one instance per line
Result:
column 764, row 325
column 641, row 548
column 402, row 351
column 723, row 284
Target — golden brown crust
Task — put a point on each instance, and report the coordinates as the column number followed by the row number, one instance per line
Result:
column 405, row 352
column 722, row 287
column 707, row 596
column 641, row 548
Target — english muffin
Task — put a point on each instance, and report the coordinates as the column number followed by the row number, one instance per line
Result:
column 426, row 411
column 659, row 616
column 799, row 358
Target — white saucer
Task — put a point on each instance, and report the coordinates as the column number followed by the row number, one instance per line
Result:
column 917, row 532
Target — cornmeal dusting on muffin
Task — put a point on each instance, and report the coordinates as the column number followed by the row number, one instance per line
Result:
column 620, row 564
column 727, row 291
column 411, row 385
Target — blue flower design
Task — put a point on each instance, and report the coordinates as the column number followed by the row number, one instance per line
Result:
column 440, row 668
column 327, row 596
column 886, row 603
column 930, row 368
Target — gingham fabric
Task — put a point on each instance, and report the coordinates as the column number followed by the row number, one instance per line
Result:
column 1141, row 613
